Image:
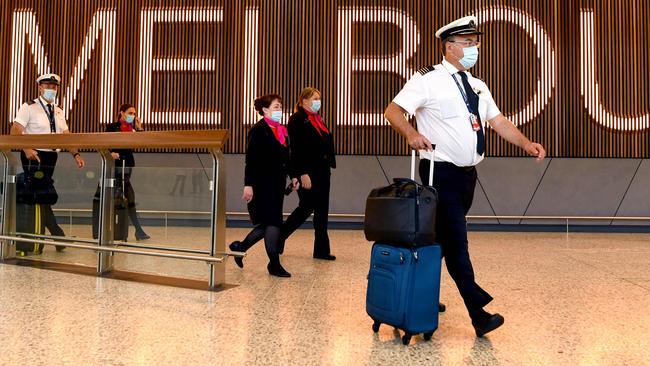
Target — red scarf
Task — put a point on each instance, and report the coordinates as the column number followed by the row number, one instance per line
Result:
column 125, row 127
column 279, row 131
column 317, row 122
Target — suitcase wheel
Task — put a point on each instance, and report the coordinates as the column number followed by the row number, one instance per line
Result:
column 427, row 336
column 375, row 326
column 406, row 339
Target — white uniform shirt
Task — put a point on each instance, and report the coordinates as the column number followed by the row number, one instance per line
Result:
column 34, row 119
column 442, row 115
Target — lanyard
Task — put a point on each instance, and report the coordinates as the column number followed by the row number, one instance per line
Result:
column 50, row 117
column 462, row 92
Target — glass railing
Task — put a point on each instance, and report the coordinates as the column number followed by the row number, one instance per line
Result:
column 77, row 211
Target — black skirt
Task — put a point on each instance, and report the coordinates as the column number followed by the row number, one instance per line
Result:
column 266, row 206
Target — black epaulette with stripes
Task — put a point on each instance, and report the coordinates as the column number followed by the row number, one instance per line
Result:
column 424, row 70
column 31, row 102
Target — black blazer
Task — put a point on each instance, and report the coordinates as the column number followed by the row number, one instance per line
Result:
column 311, row 152
column 266, row 158
column 267, row 165
column 126, row 155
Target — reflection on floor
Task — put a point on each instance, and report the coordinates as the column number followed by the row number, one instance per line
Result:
column 580, row 299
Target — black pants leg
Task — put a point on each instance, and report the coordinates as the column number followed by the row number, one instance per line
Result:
column 300, row 214
column 321, row 201
column 315, row 200
column 49, row 220
column 455, row 188
column 133, row 214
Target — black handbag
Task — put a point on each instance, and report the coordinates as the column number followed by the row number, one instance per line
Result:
column 403, row 213
column 35, row 186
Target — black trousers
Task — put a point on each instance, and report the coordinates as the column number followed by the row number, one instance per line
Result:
column 315, row 200
column 47, row 165
column 455, row 186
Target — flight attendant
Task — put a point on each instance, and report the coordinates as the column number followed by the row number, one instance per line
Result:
column 312, row 159
column 265, row 176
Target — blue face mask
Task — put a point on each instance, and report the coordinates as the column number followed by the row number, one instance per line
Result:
column 129, row 118
column 470, row 56
column 49, row 95
column 315, row 106
column 276, row 116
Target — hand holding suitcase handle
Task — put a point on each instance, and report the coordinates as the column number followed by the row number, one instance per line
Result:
column 433, row 154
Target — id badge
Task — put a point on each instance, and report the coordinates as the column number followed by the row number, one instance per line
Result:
column 476, row 125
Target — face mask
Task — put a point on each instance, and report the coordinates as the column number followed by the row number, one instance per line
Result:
column 276, row 116
column 470, row 56
column 129, row 118
column 49, row 95
column 315, row 106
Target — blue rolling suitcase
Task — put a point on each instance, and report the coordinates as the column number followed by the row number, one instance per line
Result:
column 404, row 289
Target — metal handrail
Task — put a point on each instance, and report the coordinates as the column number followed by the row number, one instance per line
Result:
column 70, row 239
column 98, row 248
column 181, row 250
column 354, row 215
column 125, row 244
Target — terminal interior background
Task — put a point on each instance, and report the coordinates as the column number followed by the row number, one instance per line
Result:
column 562, row 244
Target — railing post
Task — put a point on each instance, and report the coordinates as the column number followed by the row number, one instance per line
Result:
column 8, row 227
column 106, row 213
column 218, row 219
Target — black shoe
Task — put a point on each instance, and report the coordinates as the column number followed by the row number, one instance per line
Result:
column 441, row 307
column 141, row 235
column 60, row 248
column 235, row 247
column 327, row 257
column 277, row 270
column 488, row 324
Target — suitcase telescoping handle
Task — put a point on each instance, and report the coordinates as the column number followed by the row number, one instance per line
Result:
column 433, row 153
column 123, row 183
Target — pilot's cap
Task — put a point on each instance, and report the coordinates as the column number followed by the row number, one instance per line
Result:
column 49, row 79
column 466, row 25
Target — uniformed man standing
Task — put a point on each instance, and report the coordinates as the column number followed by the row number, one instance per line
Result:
column 43, row 116
column 451, row 108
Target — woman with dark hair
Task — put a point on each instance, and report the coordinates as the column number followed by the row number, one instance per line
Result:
column 265, row 177
column 312, row 158
column 127, row 122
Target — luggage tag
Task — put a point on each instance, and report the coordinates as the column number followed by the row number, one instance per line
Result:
column 476, row 125
column 38, row 173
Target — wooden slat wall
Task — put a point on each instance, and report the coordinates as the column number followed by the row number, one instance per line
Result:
column 297, row 44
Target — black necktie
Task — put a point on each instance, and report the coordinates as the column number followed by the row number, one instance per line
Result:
column 50, row 116
column 472, row 98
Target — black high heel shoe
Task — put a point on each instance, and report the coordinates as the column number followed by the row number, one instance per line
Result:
column 235, row 247
column 327, row 257
column 141, row 235
column 277, row 270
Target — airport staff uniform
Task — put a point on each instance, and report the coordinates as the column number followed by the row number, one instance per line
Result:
column 437, row 96
column 39, row 116
column 312, row 153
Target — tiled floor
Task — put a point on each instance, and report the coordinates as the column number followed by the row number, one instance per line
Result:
column 581, row 299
